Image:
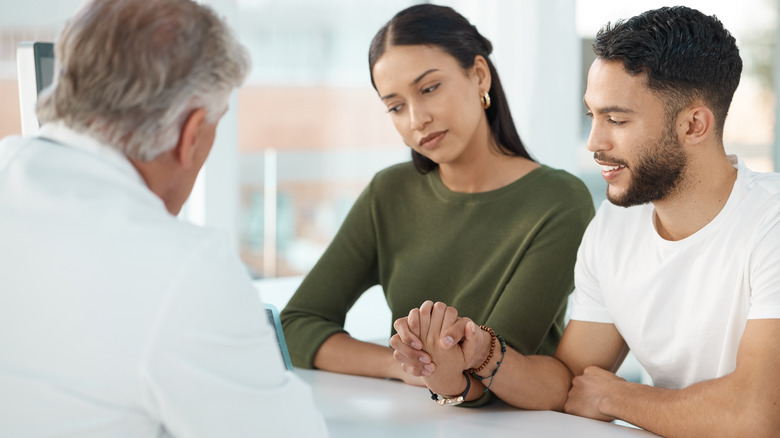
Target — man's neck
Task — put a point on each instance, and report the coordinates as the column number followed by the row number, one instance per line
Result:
column 162, row 176
column 704, row 191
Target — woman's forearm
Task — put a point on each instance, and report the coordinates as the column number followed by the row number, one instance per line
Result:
column 342, row 353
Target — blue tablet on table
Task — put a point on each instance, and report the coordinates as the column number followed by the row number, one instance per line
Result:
column 273, row 318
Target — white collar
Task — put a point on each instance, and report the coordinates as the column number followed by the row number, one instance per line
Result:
column 58, row 132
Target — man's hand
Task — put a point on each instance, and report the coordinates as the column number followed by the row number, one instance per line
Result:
column 473, row 342
column 587, row 391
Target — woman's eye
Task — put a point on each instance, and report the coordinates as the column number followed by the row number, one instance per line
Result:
column 394, row 109
column 430, row 89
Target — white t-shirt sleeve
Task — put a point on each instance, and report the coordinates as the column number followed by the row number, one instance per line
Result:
column 587, row 300
column 765, row 275
column 213, row 367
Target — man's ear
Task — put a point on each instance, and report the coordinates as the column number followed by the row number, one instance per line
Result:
column 697, row 123
column 188, row 138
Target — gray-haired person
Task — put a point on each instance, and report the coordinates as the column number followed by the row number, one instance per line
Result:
column 116, row 319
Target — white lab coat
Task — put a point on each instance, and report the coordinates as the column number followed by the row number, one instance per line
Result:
column 117, row 319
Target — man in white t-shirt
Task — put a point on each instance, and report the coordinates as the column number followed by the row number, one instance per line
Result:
column 681, row 266
column 117, row 319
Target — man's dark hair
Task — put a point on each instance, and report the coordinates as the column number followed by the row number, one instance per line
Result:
column 443, row 27
column 685, row 54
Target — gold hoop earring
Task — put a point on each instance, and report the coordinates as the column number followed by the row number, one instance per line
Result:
column 485, row 100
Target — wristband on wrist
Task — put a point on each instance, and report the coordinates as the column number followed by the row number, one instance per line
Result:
column 498, row 365
column 452, row 401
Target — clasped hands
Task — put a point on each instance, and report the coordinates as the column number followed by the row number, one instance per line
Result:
column 433, row 342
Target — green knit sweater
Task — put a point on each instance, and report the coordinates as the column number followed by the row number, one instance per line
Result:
column 504, row 258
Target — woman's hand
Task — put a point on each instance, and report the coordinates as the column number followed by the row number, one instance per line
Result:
column 408, row 341
column 408, row 347
column 448, row 376
column 434, row 334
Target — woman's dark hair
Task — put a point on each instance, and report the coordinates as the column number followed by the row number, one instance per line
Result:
column 442, row 27
column 686, row 55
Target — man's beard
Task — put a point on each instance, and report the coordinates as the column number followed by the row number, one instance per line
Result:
column 657, row 173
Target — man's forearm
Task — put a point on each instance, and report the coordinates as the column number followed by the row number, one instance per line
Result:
column 531, row 382
column 724, row 407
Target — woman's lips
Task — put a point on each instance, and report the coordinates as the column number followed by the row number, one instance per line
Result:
column 430, row 141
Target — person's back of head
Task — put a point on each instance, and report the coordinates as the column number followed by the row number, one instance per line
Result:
column 685, row 54
column 129, row 72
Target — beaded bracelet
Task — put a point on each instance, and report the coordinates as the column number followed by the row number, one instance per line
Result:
column 490, row 354
column 498, row 365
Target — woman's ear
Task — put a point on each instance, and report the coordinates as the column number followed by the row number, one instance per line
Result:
column 481, row 71
column 188, row 138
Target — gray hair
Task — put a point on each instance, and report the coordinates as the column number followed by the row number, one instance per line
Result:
column 130, row 72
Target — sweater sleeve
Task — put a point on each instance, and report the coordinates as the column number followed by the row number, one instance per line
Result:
column 348, row 268
column 530, row 312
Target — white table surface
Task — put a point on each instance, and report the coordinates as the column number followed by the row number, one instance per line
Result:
column 375, row 408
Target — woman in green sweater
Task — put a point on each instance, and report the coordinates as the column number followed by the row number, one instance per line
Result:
column 473, row 221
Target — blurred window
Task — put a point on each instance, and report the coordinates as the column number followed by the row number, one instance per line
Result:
column 307, row 131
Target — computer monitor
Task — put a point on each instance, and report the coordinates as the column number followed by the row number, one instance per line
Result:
column 35, row 68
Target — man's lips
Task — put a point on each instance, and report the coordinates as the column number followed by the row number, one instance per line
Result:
column 610, row 170
column 611, row 167
column 431, row 140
